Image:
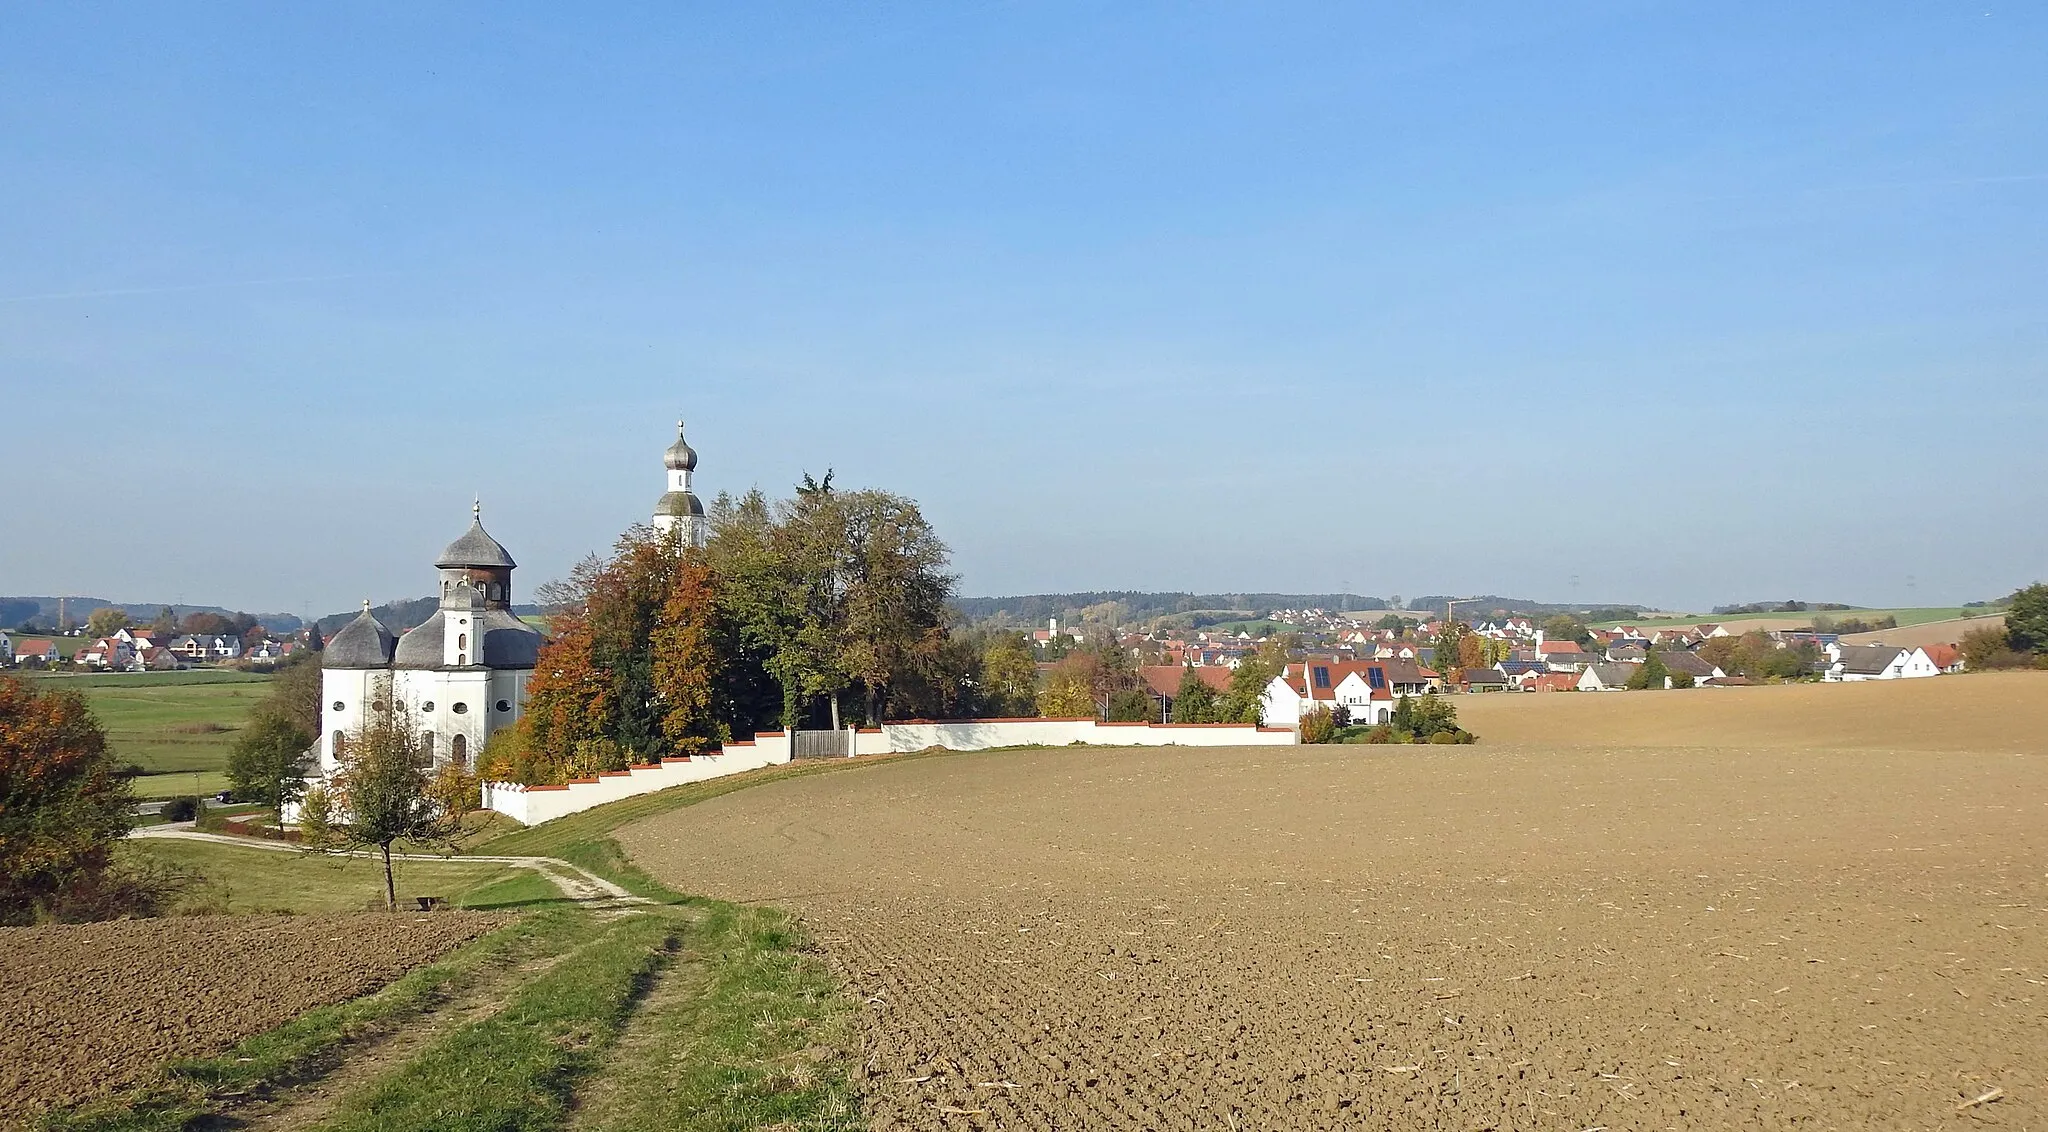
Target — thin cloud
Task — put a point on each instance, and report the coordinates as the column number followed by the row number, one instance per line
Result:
column 124, row 291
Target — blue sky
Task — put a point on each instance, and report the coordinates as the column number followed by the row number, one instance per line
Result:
column 1667, row 303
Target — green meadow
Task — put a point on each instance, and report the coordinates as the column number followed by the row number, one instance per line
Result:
column 176, row 726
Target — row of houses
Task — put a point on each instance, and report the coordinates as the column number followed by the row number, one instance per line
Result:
column 141, row 650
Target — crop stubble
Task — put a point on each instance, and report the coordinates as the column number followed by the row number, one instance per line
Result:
column 90, row 1008
column 1507, row 937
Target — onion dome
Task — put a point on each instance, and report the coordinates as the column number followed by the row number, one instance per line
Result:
column 362, row 643
column 475, row 548
column 680, row 457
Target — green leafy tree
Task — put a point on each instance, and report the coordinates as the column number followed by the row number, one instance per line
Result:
column 1244, row 701
column 105, row 621
column 2026, row 620
column 268, row 762
column 1194, row 701
column 1450, row 650
column 383, row 792
column 1649, row 675
column 62, row 807
column 1563, row 627
column 1009, row 676
column 1683, row 680
column 1131, row 705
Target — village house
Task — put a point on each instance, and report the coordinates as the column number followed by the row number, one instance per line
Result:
column 1678, row 662
column 1947, row 658
column 37, row 654
column 1361, row 691
column 1606, row 677
column 1854, row 663
column 207, row 647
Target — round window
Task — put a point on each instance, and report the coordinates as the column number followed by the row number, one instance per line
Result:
column 504, row 705
column 427, row 706
column 460, row 709
column 339, row 706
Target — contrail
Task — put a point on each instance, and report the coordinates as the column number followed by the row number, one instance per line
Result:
column 191, row 287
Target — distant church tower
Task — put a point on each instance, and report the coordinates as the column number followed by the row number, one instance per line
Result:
column 680, row 511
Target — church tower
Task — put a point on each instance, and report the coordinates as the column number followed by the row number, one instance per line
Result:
column 680, row 512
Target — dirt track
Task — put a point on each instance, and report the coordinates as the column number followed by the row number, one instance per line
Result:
column 1515, row 936
column 88, row 1008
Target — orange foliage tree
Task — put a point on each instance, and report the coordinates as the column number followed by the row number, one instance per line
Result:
column 62, row 807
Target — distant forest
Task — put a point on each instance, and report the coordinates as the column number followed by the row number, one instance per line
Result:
column 1197, row 611
column 15, row 611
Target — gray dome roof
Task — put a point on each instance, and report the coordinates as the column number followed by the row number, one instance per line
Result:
column 362, row 643
column 680, row 457
column 679, row 504
column 475, row 548
column 505, row 640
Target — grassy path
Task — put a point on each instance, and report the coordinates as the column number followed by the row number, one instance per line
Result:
column 633, row 1008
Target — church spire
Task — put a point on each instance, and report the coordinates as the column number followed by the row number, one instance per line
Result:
column 679, row 511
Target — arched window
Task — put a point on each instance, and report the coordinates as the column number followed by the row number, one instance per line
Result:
column 458, row 750
column 426, row 751
column 340, row 745
column 461, row 658
column 462, row 641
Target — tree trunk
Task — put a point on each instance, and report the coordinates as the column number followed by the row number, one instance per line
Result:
column 390, row 885
column 835, row 711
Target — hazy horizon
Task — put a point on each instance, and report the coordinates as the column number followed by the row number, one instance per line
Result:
column 1666, row 304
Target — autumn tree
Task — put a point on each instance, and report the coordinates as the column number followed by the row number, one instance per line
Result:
column 686, row 660
column 1319, row 725
column 62, row 806
column 202, row 623
column 1066, row 696
column 106, row 621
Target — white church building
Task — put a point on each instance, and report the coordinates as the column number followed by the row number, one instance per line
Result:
column 461, row 674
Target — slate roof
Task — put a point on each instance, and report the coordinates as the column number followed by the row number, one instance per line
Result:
column 1678, row 662
column 1869, row 660
column 505, row 642
column 362, row 643
column 476, row 549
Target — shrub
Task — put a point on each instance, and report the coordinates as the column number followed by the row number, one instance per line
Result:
column 182, row 809
column 1318, row 726
column 1443, row 738
column 1380, row 733
column 1683, row 680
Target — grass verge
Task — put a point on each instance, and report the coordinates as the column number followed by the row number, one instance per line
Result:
column 307, row 1046
column 518, row 1069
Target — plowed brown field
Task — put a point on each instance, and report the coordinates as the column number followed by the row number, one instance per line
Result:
column 1519, row 935
column 88, row 1008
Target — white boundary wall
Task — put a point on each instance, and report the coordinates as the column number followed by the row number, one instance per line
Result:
column 531, row 805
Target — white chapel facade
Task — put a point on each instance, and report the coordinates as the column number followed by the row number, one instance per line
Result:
column 461, row 674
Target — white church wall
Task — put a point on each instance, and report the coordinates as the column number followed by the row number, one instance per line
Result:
column 532, row 805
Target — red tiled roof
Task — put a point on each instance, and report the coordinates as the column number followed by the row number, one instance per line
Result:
column 1164, row 679
column 1944, row 656
column 1560, row 646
